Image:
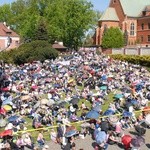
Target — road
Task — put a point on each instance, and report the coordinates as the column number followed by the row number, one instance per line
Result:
column 88, row 143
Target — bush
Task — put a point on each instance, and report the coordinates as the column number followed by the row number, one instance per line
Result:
column 29, row 52
column 112, row 38
column 141, row 60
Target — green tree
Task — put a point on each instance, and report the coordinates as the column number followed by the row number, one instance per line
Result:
column 113, row 38
column 5, row 13
column 66, row 20
column 41, row 32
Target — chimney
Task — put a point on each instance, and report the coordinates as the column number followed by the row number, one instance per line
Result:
column 8, row 27
column 4, row 23
column 60, row 43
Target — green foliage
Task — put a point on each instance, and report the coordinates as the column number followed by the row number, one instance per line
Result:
column 29, row 52
column 41, row 32
column 62, row 20
column 113, row 38
column 141, row 60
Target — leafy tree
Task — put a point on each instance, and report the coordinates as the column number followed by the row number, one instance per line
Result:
column 88, row 39
column 113, row 38
column 64, row 20
column 41, row 32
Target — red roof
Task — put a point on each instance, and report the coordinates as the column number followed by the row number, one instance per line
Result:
column 58, row 46
column 5, row 31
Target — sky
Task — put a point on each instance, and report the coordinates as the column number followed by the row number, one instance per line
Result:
column 100, row 5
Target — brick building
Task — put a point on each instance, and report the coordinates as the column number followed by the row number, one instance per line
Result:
column 131, row 16
column 8, row 38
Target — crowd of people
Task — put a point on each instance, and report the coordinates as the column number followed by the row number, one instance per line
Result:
column 72, row 89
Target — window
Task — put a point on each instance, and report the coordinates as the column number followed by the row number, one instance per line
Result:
column 142, row 38
column 16, row 43
column 148, row 25
column 142, row 26
column 148, row 38
column 132, row 29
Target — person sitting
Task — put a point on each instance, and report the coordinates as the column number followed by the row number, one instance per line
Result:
column 112, row 138
column 72, row 109
column 53, row 136
column 36, row 123
column 28, row 141
column 83, row 106
column 20, row 143
column 40, row 139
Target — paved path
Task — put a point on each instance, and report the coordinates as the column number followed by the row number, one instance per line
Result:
column 87, row 143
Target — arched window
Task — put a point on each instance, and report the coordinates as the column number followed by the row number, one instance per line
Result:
column 132, row 29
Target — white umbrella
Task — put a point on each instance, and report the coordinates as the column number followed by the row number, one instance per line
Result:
column 147, row 119
column 44, row 101
column 3, row 123
column 25, row 98
column 50, row 102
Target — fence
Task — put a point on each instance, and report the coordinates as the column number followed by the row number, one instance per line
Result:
column 79, row 122
column 129, row 51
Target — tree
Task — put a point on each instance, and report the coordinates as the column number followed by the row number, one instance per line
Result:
column 64, row 20
column 88, row 41
column 113, row 38
column 41, row 32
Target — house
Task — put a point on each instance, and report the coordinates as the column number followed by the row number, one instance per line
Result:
column 8, row 38
column 59, row 46
column 131, row 16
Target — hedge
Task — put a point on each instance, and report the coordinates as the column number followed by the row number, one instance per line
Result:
column 134, row 59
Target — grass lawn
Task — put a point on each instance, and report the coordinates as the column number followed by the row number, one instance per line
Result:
column 46, row 132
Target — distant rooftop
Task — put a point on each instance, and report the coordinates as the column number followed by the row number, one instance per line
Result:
column 109, row 15
column 5, row 31
column 133, row 8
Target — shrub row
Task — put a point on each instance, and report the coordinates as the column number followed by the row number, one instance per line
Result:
column 134, row 59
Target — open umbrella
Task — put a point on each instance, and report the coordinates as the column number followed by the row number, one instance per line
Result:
column 113, row 119
column 103, row 88
column 13, row 118
column 135, row 143
column 126, row 140
column 25, row 98
column 50, row 102
column 62, row 104
column 3, row 123
column 44, row 101
column 2, row 111
column 74, row 101
column 36, row 105
column 127, row 114
column 97, row 108
column 7, row 108
column 147, row 119
column 70, row 133
column 100, row 137
column 146, row 110
column 71, row 80
column 141, row 140
column 6, row 133
column 148, row 87
column 118, row 96
column 92, row 114
column 108, row 112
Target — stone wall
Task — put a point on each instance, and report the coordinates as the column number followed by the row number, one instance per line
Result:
column 131, row 51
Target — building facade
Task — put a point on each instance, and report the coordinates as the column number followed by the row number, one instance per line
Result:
column 131, row 16
column 8, row 38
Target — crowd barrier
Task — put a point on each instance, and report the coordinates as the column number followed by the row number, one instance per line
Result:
column 74, row 123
